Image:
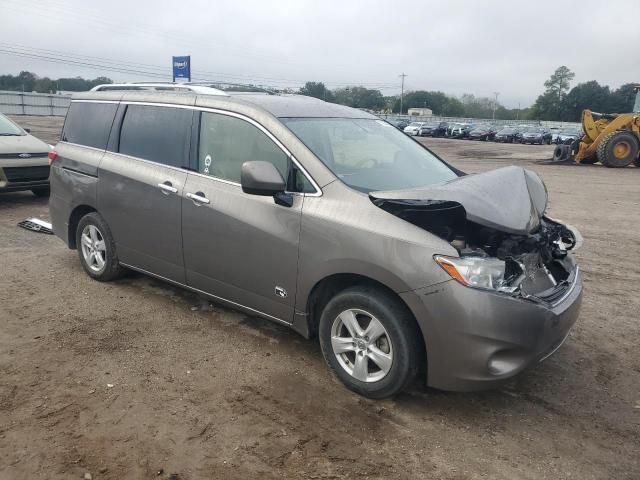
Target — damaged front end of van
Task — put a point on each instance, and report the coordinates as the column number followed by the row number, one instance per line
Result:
column 516, row 286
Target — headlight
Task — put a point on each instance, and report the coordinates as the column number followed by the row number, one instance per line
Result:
column 479, row 272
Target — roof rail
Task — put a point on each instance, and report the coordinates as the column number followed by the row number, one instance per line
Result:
column 233, row 87
column 160, row 87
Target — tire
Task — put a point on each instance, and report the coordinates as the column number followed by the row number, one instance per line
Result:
column 103, row 265
column 397, row 350
column 41, row 192
column 618, row 149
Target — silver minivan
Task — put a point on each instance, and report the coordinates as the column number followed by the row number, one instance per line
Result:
column 323, row 218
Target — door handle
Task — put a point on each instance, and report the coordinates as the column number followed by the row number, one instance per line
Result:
column 198, row 198
column 166, row 187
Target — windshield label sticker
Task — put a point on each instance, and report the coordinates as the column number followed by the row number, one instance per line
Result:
column 207, row 164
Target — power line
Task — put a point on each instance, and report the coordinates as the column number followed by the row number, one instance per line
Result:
column 157, row 71
column 59, row 10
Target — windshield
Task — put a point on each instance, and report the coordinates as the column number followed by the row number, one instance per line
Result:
column 7, row 127
column 369, row 154
column 507, row 130
column 415, row 124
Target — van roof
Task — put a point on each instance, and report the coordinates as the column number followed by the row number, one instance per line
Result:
column 278, row 105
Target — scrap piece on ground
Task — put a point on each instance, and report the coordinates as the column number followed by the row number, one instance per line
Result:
column 36, row 225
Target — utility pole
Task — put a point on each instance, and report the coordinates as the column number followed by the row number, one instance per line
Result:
column 495, row 104
column 402, row 76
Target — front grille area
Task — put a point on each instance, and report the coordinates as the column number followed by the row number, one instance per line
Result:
column 26, row 174
column 16, row 156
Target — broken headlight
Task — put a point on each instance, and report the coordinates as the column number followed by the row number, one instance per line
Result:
column 485, row 273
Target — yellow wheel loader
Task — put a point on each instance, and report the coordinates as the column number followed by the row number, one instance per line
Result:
column 612, row 139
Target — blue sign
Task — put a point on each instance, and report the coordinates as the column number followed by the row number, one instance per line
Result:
column 182, row 67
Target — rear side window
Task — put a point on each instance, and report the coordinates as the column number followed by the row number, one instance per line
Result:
column 89, row 124
column 158, row 134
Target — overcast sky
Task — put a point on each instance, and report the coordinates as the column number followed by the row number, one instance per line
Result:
column 477, row 47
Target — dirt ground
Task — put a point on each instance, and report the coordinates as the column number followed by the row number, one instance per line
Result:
column 138, row 379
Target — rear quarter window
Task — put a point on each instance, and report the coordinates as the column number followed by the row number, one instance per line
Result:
column 89, row 124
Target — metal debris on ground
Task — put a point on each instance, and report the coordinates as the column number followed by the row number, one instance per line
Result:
column 36, row 225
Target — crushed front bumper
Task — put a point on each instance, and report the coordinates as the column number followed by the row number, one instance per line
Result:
column 477, row 339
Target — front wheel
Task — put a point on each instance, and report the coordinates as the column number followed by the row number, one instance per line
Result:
column 618, row 149
column 370, row 341
column 97, row 248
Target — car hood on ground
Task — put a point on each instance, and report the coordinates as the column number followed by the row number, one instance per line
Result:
column 509, row 199
column 22, row 144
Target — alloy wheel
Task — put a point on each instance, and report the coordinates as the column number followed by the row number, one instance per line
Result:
column 94, row 250
column 361, row 345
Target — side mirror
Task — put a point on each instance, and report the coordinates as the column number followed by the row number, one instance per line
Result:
column 261, row 178
column 28, row 130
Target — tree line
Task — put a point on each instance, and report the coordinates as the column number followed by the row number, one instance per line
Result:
column 559, row 102
column 30, row 82
column 467, row 105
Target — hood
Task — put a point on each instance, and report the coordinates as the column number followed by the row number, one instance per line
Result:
column 22, row 144
column 509, row 199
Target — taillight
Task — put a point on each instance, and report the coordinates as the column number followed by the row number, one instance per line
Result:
column 52, row 156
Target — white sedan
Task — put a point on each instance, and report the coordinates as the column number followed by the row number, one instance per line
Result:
column 413, row 128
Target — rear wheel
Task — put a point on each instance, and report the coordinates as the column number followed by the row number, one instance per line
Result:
column 97, row 249
column 370, row 341
column 618, row 149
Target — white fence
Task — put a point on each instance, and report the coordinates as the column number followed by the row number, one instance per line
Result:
column 40, row 104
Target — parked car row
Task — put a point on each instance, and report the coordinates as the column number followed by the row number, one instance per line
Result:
column 531, row 134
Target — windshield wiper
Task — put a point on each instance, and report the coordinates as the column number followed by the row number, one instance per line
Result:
column 10, row 135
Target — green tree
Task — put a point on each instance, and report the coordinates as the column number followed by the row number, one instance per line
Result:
column 317, row 90
column 623, row 99
column 589, row 95
column 438, row 102
column 560, row 81
column 549, row 106
column 44, row 85
column 360, row 97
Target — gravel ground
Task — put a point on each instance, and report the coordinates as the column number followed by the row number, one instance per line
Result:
column 138, row 379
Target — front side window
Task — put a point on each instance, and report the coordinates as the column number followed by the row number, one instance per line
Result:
column 370, row 154
column 89, row 124
column 227, row 142
column 158, row 134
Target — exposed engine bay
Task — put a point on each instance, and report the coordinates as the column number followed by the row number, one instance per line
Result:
column 523, row 253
